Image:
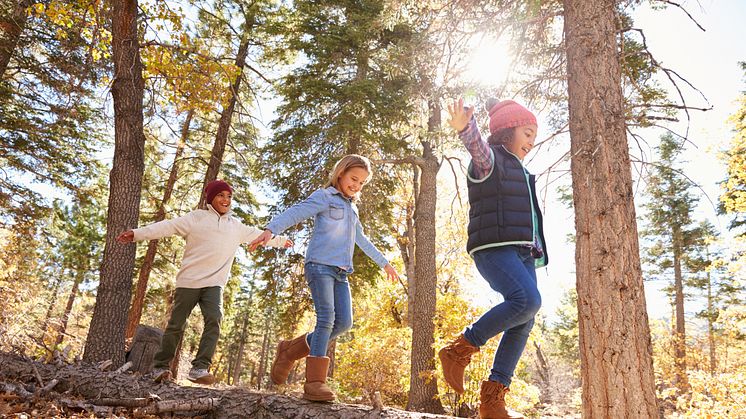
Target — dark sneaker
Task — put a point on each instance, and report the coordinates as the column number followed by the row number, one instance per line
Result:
column 200, row 376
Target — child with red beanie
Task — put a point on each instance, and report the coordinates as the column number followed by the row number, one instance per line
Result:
column 506, row 241
column 212, row 237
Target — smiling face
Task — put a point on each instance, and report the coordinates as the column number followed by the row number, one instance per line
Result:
column 523, row 140
column 351, row 182
column 222, row 202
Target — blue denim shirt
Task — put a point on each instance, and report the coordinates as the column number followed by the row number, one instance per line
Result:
column 336, row 229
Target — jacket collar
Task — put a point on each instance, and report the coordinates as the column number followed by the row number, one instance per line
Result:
column 332, row 190
column 214, row 211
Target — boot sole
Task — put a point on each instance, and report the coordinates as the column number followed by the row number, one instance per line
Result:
column 318, row 399
column 203, row 380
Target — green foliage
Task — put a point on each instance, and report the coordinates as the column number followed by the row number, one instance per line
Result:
column 670, row 231
column 733, row 199
column 565, row 333
column 50, row 127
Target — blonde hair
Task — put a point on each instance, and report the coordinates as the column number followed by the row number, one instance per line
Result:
column 346, row 163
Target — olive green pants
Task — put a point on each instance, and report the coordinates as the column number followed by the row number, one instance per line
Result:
column 210, row 301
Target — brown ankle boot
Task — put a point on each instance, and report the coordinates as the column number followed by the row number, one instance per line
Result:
column 315, row 387
column 288, row 351
column 454, row 358
column 492, row 402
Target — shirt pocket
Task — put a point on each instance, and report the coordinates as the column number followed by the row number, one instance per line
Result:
column 336, row 212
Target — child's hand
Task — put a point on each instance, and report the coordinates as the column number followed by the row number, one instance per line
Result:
column 460, row 117
column 288, row 243
column 262, row 240
column 391, row 272
column 126, row 236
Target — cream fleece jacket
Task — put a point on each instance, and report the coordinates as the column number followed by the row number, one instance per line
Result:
column 211, row 243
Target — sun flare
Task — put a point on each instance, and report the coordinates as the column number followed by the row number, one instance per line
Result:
column 489, row 61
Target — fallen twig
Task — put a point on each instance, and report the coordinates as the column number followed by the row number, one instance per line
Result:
column 103, row 365
column 205, row 403
column 38, row 376
column 127, row 365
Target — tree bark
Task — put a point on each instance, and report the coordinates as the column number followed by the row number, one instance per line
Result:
column 11, row 27
column 680, row 331
column 135, row 312
column 406, row 243
column 92, row 384
column 69, row 307
column 239, row 355
column 106, row 333
column 710, row 325
column 221, row 138
column 50, row 308
column 615, row 348
column 423, row 388
column 263, row 357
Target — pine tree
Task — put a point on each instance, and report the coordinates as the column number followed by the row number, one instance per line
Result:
column 50, row 124
column 106, row 334
column 615, row 347
column 672, row 234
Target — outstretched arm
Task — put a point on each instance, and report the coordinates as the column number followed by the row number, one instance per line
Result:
column 126, row 236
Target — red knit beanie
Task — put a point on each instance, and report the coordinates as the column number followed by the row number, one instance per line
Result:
column 215, row 187
column 509, row 114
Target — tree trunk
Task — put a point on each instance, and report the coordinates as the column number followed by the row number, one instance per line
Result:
column 331, row 352
column 710, row 325
column 680, row 332
column 221, row 138
column 239, row 356
column 406, row 245
column 135, row 312
column 145, row 344
column 11, row 27
column 264, row 355
column 615, row 348
column 423, row 388
column 69, row 307
column 106, row 333
column 52, row 304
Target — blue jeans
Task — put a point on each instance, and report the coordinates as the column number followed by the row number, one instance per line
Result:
column 331, row 298
column 510, row 271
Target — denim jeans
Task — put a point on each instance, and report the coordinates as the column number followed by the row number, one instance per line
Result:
column 510, row 271
column 331, row 298
column 210, row 301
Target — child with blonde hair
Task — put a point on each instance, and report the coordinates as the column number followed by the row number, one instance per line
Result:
column 336, row 231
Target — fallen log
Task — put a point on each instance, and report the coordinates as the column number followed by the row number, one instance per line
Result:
column 91, row 383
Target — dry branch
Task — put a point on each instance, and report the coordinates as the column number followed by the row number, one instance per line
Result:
column 96, row 386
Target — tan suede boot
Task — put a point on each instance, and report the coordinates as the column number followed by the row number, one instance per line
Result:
column 492, row 402
column 315, row 387
column 454, row 358
column 288, row 351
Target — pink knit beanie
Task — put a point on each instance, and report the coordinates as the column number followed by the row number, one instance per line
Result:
column 215, row 187
column 509, row 114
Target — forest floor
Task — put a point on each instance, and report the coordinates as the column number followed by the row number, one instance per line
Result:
column 30, row 389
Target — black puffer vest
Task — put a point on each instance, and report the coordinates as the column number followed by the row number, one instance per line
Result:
column 500, row 206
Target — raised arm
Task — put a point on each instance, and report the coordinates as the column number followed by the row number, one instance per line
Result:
column 462, row 120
